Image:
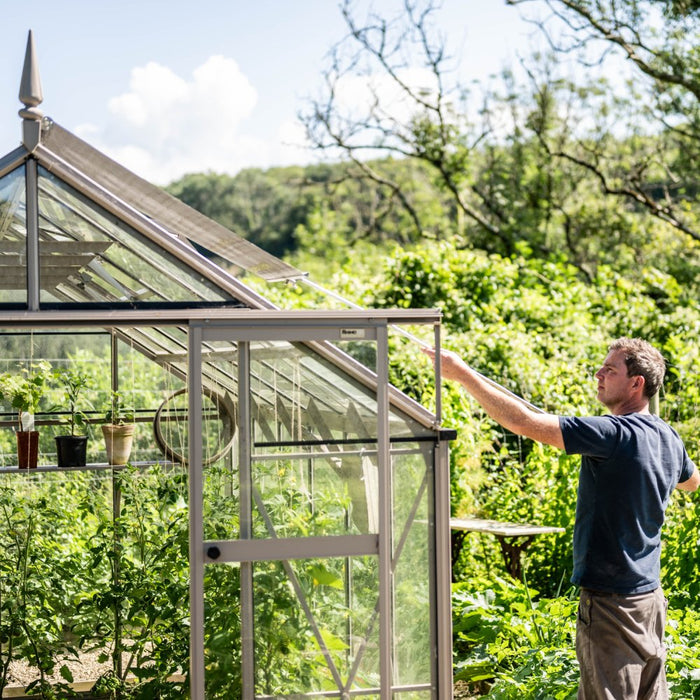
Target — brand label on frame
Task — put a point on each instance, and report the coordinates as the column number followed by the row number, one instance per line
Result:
column 352, row 333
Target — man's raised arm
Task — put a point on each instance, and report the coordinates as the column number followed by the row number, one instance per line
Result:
column 506, row 410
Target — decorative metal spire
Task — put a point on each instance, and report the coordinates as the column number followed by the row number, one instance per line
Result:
column 31, row 95
column 30, row 88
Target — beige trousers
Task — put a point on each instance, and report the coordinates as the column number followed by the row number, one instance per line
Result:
column 620, row 646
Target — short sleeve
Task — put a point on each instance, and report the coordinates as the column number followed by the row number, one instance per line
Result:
column 688, row 468
column 594, row 436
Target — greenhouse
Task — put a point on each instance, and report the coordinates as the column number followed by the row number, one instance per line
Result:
column 278, row 526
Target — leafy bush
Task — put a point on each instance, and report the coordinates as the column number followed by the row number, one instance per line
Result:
column 502, row 632
column 525, row 644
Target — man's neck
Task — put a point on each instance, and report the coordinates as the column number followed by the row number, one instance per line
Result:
column 630, row 406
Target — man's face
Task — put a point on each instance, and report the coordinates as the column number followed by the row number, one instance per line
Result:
column 614, row 386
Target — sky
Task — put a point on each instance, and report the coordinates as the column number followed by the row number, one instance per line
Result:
column 169, row 87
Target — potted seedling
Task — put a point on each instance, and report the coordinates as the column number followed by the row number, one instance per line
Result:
column 71, row 449
column 118, row 430
column 23, row 391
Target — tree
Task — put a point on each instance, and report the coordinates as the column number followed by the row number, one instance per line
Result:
column 317, row 206
column 548, row 165
column 264, row 207
column 419, row 120
column 659, row 40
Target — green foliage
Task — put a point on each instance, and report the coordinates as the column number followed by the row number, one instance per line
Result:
column 680, row 558
column 74, row 383
column 502, row 631
column 118, row 412
column 64, row 588
column 24, row 388
column 264, row 207
column 524, row 644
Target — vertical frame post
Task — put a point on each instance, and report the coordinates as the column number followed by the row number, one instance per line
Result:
column 117, row 549
column 443, row 544
column 246, row 521
column 194, row 426
column 385, row 517
column 443, row 570
column 32, row 203
column 438, row 376
column 114, row 361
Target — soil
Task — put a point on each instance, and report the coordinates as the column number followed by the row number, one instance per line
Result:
column 468, row 691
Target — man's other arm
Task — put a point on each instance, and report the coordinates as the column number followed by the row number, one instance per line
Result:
column 692, row 483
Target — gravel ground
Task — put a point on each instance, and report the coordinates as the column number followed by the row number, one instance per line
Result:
column 88, row 669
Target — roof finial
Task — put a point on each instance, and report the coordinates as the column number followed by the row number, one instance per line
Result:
column 30, row 93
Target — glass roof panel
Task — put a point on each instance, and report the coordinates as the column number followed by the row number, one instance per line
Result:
column 89, row 256
column 13, row 238
column 286, row 378
column 320, row 401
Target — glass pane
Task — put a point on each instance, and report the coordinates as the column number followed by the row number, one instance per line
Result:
column 76, row 547
column 45, row 564
column 412, row 557
column 13, row 238
column 316, row 627
column 300, row 398
column 222, row 631
column 219, row 437
column 314, row 445
column 87, row 255
column 149, row 384
column 325, row 492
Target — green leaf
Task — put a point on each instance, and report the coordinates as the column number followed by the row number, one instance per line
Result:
column 323, row 577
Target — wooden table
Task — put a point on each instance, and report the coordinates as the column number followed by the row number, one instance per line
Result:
column 514, row 538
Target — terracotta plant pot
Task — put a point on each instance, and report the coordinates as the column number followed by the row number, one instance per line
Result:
column 71, row 450
column 27, row 448
column 118, row 441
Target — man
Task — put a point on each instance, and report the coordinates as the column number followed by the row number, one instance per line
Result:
column 631, row 462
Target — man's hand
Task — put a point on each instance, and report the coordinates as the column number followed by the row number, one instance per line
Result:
column 452, row 366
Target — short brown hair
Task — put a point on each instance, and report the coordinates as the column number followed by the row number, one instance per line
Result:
column 642, row 359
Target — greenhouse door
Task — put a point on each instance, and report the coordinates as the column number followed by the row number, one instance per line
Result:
column 294, row 537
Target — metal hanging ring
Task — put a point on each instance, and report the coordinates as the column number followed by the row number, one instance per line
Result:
column 226, row 413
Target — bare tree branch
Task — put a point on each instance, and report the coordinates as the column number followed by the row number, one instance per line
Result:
column 612, row 28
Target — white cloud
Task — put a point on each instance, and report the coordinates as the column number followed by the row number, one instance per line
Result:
column 166, row 126
column 356, row 95
column 293, row 144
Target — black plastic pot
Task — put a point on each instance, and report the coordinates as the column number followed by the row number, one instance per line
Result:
column 71, row 450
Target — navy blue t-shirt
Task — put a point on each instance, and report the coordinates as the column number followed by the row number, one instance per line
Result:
column 629, row 467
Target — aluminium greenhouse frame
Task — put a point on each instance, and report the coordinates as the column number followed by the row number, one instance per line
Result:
column 315, row 328
column 70, row 197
